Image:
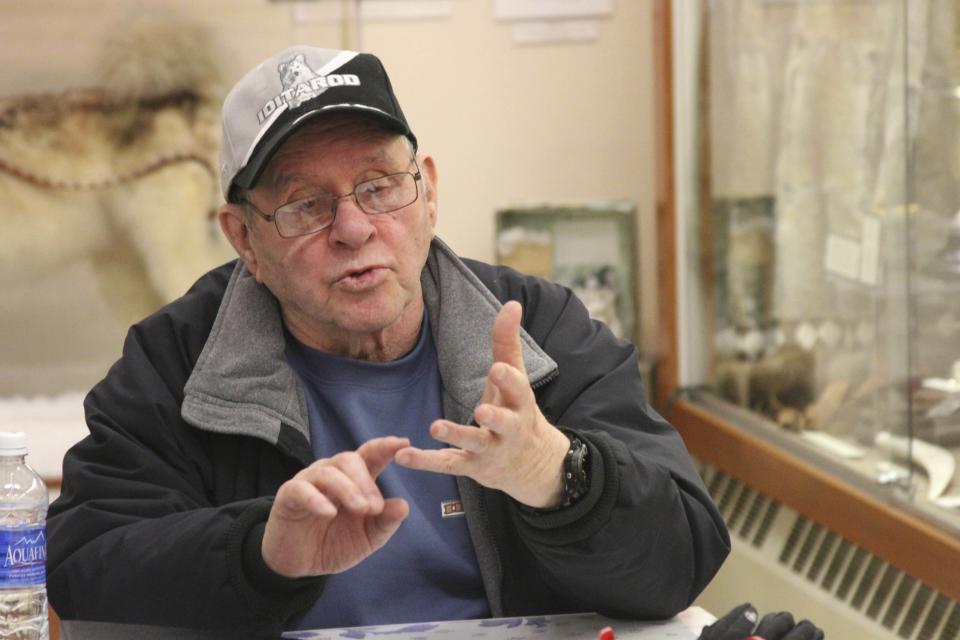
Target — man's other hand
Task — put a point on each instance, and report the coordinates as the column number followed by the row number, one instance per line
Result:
column 513, row 448
column 741, row 624
column 331, row 515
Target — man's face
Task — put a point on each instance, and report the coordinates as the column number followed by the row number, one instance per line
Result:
column 361, row 275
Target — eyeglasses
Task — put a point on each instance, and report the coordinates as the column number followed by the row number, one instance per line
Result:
column 317, row 212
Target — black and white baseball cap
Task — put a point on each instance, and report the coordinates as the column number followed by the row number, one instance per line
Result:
column 283, row 92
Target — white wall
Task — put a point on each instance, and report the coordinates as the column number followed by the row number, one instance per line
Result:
column 505, row 123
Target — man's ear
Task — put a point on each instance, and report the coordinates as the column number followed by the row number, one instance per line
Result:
column 429, row 171
column 235, row 227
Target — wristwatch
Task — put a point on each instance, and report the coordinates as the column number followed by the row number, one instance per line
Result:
column 576, row 470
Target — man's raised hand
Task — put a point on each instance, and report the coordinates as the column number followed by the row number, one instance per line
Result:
column 513, row 448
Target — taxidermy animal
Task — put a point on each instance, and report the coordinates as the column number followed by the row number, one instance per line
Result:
column 779, row 385
column 122, row 174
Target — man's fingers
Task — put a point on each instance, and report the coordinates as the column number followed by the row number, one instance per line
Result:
column 511, row 385
column 355, row 467
column 378, row 452
column 506, row 336
column 449, row 461
column 297, row 500
column 347, row 480
column 382, row 527
column 341, row 485
column 460, row 436
column 490, row 392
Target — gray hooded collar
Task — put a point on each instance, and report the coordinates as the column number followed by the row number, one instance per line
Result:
column 243, row 385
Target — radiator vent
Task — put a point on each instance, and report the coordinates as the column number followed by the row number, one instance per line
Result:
column 854, row 578
column 751, row 522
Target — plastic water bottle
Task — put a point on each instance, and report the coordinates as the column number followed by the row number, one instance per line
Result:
column 23, row 544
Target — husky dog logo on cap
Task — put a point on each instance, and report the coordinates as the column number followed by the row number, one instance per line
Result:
column 294, row 72
column 301, row 83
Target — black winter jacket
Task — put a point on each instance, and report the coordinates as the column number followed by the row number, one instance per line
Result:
column 194, row 429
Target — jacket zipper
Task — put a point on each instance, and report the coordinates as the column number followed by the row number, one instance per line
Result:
column 550, row 377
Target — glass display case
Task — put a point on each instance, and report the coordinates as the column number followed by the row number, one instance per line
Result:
column 810, row 219
column 585, row 246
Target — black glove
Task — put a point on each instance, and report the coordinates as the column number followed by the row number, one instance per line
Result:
column 741, row 623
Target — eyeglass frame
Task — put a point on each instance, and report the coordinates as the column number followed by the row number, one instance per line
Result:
column 335, row 202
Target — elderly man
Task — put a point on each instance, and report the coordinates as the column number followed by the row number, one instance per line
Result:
column 351, row 425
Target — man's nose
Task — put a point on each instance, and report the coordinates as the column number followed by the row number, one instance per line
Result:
column 351, row 225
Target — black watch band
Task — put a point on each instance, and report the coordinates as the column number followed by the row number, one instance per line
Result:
column 576, row 471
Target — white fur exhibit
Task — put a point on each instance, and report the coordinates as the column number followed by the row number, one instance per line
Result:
column 122, row 174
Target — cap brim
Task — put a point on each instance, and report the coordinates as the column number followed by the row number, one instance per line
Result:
column 248, row 176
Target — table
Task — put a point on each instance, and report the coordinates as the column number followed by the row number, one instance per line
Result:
column 577, row 626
